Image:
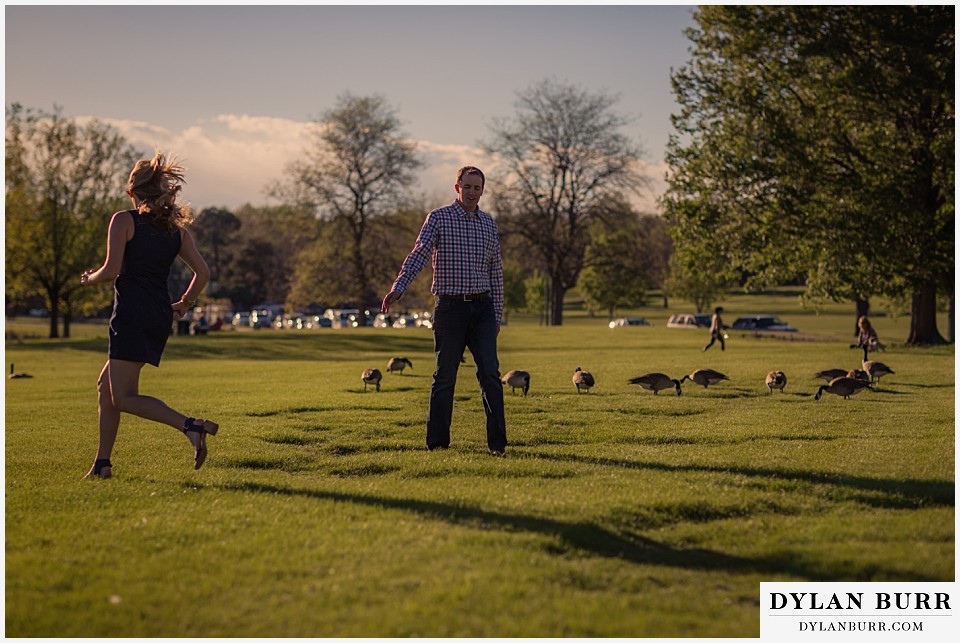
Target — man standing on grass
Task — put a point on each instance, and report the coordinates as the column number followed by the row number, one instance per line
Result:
column 464, row 244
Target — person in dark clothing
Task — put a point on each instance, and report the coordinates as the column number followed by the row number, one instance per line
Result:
column 142, row 244
column 867, row 336
column 716, row 330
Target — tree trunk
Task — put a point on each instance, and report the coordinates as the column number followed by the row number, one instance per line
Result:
column 547, row 299
column 863, row 308
column 923, row 317
column 53, row 300
column 613, row 309
column 556, row 302
column 363, row 286
column 67, row 318
column 951, row 317
column 666, row 303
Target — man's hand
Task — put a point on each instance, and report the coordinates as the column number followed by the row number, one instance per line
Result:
column 391, row 297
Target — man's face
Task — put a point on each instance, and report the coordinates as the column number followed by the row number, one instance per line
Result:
column 470, row 188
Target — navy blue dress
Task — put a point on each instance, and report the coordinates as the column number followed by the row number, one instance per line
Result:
column 142, row 316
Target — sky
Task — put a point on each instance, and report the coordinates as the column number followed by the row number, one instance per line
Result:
column 232, row 89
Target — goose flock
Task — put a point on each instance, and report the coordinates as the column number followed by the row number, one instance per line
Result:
column 842, row 382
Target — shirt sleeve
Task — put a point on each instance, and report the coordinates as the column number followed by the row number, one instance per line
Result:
column 418, row 257
column 496, row 276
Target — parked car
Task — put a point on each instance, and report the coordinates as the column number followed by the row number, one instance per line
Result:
column 762, row 323
column 689, row 320
column 288, row 321
column 405, row 321
column 353, row 320
column 262, row 318
column 629, row 321
column 316, row 321
column 424, row 319
column 340, row 317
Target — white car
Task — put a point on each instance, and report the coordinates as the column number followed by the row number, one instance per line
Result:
column 629, row 321
column 689, row 320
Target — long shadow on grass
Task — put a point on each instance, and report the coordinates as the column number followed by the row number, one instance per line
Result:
column 265, row 345
column 581, row 536
column 897, row 494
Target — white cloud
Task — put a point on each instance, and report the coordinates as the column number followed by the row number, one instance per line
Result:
column 231, row 159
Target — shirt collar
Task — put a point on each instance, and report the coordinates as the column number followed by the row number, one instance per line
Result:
column 465, row 213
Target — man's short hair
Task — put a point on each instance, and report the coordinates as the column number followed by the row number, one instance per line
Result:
column 469, row 169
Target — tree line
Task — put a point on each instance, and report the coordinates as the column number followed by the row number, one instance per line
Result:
column 810, row 146
column 817, row 143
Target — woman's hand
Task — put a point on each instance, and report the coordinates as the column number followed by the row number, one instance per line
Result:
column 180, row 309
column 85, row 277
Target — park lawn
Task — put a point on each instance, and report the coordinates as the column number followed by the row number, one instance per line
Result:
column 615, row 513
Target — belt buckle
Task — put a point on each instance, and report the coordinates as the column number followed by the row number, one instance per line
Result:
column 469, row 297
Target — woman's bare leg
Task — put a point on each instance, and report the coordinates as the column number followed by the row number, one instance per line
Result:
column 125, row 388
column 108, row 421
column 120, row 392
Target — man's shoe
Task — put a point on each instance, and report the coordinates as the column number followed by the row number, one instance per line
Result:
column 498, row 453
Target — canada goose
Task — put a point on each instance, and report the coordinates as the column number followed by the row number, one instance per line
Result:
column 582, row 379
column 704, row 377
column 776, row 379
column 517, row 379
column 655, row 382
column 875, row 370
column 831, row 374
column 371, row 376
column 398, row 364
column 845, row 386
column 857, row 374
column 16, row 376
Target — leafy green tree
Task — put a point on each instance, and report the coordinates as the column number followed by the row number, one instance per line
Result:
column 63, row 182
column 624, row 263
column 324, row 271
column 616, row 274
column 358, row 166
column 216, row 230
column 564, row 157
column 819, row 141
column 261, row 257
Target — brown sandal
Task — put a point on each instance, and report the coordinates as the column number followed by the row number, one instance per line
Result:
column 195, row 425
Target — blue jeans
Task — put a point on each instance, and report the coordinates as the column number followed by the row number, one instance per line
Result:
column 470, row 324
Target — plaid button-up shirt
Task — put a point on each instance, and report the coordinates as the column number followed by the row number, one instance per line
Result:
column 465, row 247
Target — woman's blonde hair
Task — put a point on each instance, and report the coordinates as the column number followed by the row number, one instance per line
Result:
column 154, row 183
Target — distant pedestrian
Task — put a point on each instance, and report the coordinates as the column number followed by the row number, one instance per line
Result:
column 142, row 244
column 464, row 245
column 867, row 336
column 717, row 329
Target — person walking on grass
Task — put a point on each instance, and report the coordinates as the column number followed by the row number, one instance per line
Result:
column 717, row 330
column 142, row 244
column 464, row 245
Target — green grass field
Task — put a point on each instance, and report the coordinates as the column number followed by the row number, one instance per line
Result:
column 615, row 513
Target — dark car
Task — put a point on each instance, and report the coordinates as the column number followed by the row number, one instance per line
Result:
column 762, row 323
